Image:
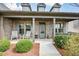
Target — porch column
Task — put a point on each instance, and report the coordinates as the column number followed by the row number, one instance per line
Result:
column 2, row 28
column 54, row 21
column 66, row 27
column 33, row 30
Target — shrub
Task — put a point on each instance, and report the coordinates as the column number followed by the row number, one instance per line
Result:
column 23, row 45
column 4, row 45
column 72, row 45
column 60, row 40
column 1, row 53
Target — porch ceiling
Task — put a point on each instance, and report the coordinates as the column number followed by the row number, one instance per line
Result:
column 47, row 19
column 66, row 20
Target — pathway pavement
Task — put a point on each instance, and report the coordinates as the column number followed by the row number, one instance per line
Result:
column 47, row 48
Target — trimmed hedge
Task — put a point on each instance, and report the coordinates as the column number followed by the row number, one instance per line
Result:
column 23, row 45
column 4, row 45
column 60, row 40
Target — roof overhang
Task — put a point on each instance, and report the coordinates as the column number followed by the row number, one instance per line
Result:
column 64, row 14
column 24, row 14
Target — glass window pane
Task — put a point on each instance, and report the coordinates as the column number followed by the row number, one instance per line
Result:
column 41, row 8
column 28, row 27
column 21, row 29
column 25, row 8
column 59, row 27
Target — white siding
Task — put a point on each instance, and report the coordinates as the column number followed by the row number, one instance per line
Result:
column 73, row 26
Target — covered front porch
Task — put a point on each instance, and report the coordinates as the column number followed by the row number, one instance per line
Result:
column 37, row 26
column 34, row 28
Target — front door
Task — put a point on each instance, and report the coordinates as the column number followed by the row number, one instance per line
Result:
column 42, row 30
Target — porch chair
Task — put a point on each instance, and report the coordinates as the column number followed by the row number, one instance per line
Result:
column 28, row 34
column 14, row 35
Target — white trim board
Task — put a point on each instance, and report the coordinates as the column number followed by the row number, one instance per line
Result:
column 41, row 17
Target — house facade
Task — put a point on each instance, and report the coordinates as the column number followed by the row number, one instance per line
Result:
column 41, row 24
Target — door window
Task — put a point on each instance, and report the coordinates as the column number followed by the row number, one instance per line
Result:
column 42, row 30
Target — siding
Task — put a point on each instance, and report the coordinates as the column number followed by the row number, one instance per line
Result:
column 7, row 27
column 73, row 26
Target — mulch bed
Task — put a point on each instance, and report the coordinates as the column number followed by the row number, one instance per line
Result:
column 33, row 52
column 61, row 51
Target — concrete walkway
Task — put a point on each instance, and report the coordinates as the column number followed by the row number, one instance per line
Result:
column 47, row 48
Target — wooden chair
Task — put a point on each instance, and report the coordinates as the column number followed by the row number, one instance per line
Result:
column 28, row 34
column 14, row 35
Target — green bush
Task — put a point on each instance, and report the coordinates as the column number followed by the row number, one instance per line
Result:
column 1, row 54
column 72, row 45
column 23, row 45
column 60, row 40
column 4, row 45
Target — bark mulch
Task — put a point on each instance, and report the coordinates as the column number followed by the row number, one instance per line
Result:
column 61, row 51
column 33, row 52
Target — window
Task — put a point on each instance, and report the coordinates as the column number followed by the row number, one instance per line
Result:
column 41, row 9
column 23, row 28
column 28, row 27
column 26, row 8
column 59, row 28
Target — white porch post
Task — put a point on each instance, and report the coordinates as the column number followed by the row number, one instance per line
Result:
column 33, row 30
column 65, row 27
column 54, row 21
column 2, row 29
